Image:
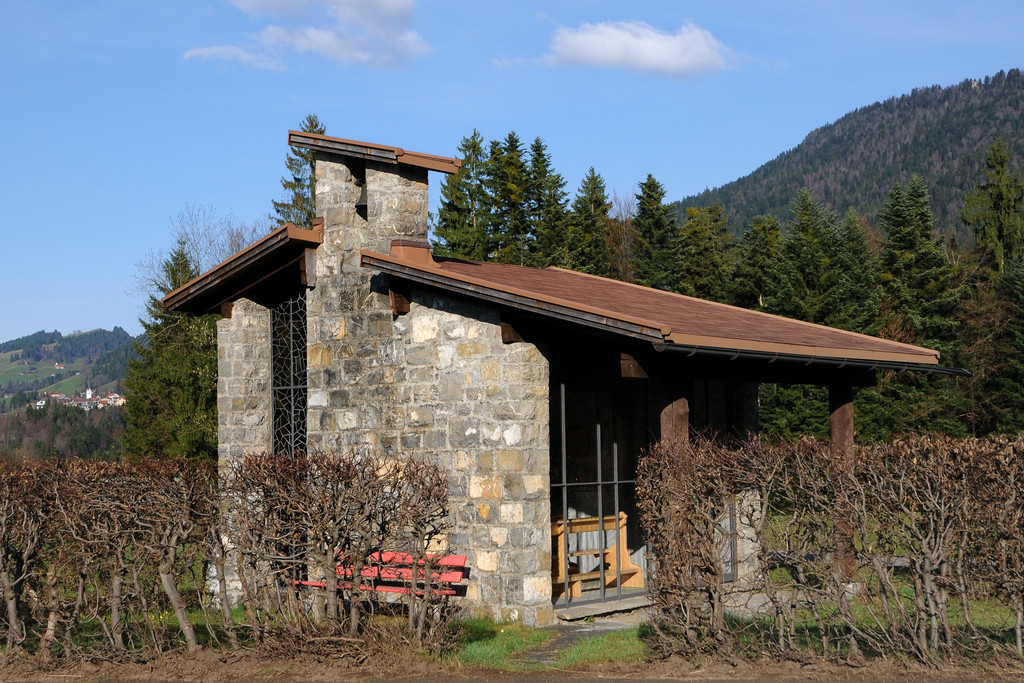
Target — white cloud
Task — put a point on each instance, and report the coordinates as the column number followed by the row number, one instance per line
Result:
column 286, row 7
column 231, row 53
column 375, row 33
column 637, row 45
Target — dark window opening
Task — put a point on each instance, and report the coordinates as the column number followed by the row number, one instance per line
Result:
column 600, row 425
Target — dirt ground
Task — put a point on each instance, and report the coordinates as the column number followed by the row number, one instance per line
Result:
column 253, row 667
column 210, row 666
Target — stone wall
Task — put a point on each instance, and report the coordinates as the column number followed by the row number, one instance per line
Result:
column 437, row 381
column 243, row 382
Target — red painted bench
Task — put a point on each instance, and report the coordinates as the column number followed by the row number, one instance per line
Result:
column 393, row 572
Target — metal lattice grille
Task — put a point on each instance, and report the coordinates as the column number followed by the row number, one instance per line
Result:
column 289, row 388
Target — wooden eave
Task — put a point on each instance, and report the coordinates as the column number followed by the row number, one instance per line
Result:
column 885, row 355
column 375, row 152
column 264, row 272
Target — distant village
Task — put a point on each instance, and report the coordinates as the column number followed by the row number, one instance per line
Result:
column 87, row 402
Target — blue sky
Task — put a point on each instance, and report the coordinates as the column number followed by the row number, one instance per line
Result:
column 118, row 113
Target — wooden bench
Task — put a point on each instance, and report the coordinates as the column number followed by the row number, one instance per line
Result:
column 615, row 554
column 393, row 572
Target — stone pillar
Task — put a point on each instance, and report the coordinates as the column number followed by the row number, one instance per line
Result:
column 396, row 204
column 244, row 420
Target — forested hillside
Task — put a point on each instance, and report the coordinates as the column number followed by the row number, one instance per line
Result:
column 941, row 134
column 61, row 431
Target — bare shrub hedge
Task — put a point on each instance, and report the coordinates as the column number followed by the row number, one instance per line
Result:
column 938, row 529
column 115, row 560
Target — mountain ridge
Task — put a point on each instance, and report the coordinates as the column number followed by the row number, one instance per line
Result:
column 940, row 133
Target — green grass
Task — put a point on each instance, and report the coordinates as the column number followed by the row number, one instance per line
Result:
column 619, row 646
column 499, row 646
column 486, row 643
column 992, row 619
column 69, row 386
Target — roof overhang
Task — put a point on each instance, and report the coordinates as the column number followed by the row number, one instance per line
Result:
column 425, row 271
column 266, row 272
column 375, row 152
column 840, row 359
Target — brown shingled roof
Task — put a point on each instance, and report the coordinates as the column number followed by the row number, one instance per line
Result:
column 667, row 319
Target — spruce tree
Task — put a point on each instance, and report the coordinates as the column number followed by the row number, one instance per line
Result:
column 547, row 209
column 920, row 293
column 464, row 217
column 512, row 239
column 850, row 298
column 991, row 335
column 702, row 261
column 171, row 385
column 1010, row 380
column 299, row 204
column 806, row 251
column 919, row 290
column 995, row 210
column 656, row 237
column 755, row 277
column 588, row 225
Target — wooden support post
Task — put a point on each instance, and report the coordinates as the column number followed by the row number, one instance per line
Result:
column 307, row 268
column 509, row 334
column 840, row 408
column 629, row 367
column 675, row 416
column 399, row 296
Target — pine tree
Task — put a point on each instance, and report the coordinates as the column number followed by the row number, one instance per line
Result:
column 995, row 210
column 546, row 208
column 171, row 386
column 703, row 254
column 588, row 225
column 656, row 237
column 299, row 205
column 464, row 218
